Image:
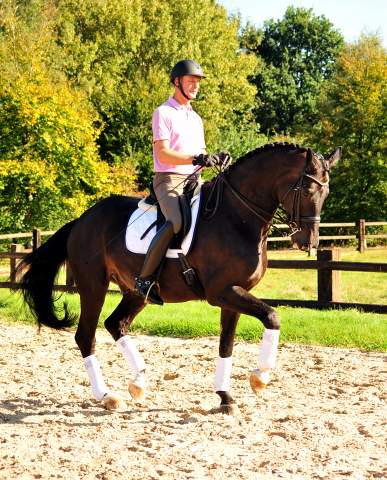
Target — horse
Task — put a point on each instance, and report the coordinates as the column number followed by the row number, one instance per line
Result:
column 228, row 256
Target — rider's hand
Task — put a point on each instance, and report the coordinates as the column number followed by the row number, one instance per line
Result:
column 225, row 159
column 206, row 160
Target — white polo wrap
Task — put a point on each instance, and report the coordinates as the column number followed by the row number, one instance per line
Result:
column 222, row 374
column 131, row 354
column 268, row 352
column 93, row 371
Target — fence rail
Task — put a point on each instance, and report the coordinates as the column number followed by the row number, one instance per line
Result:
column 329, row 265
column 361, row 235
column 25, row 235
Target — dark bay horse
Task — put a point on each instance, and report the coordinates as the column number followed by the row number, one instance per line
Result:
column 228, row 254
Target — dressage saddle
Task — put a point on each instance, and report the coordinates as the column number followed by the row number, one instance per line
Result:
column 151, row 203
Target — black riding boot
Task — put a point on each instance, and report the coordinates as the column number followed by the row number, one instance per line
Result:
column 145, row 282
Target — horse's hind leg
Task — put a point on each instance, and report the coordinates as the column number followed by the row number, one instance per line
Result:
column 91, row 306
column 228, row 322
column 118, row 325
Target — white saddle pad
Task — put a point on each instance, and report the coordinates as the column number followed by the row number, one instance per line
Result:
column 140, row 220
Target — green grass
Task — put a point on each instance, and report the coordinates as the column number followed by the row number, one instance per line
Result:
column 343, row 328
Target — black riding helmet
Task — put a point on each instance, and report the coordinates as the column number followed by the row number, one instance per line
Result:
column 185, row 67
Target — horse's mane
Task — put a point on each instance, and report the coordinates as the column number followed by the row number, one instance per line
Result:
column 270, row 146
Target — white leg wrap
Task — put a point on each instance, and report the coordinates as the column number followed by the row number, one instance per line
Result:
column 93, row 371
column 268, row 350
column 267, row 354
column 131, row 354
column 222, row 374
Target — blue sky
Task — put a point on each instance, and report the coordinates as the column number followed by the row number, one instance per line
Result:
column 351, row 17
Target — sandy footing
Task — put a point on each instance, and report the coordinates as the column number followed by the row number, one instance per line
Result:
column 324, row 414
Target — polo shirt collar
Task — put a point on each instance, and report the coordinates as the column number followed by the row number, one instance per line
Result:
column 177, row 105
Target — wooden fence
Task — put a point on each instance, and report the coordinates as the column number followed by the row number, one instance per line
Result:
column 328, row 266
column 360, row 234
column 36, row 236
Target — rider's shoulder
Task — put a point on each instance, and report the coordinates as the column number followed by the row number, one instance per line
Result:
column 165, row 108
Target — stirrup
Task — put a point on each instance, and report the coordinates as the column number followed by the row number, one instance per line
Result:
column 146, row 288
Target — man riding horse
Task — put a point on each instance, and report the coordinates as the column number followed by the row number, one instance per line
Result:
column 178, row 147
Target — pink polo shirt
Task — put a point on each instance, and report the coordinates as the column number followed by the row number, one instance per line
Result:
column 183, row 128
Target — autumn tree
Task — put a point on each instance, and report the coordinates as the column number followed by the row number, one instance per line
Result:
column 353, row 113
column 297, row 55
column 50, row 171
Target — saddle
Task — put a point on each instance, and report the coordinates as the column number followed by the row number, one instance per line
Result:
column 150, row 203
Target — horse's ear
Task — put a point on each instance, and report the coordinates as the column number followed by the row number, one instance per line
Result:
column 333, row 158
column 312, row 163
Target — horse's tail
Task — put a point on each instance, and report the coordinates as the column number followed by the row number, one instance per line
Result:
column 42, row 267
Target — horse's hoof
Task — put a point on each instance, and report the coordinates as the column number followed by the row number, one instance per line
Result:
column 231, row 409
column 113, row 402
column 256, row 383
column 137, row 392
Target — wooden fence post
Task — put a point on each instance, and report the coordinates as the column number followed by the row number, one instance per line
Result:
column 362, row 242
column 15, row 276
column 329, row 281
column 37, row 238
column 69, row 274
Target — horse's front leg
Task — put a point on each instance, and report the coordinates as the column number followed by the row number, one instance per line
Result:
column 237, row 299
column 228, row 323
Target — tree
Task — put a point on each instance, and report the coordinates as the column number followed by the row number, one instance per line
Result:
column 50, row 171
column 353, row 113
column 298, row 55
column 121, row 53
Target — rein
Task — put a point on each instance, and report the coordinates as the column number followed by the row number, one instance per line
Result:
column 293, row 220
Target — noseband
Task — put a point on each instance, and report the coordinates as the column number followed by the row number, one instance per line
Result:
column 293, row 220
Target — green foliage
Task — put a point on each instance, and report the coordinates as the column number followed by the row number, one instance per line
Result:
column 353, row 112
column 298, row 54
column 126, row 75
column 50, row 171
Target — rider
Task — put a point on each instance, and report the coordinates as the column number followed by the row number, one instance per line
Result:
column 178, row 149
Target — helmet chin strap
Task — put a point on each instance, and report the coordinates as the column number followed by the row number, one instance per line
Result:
column 181, row 89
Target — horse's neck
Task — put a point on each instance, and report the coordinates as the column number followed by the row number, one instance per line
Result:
column 256, row 179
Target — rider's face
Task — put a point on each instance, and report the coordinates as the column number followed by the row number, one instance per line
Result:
column 190, row 85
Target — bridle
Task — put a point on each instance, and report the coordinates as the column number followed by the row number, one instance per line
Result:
column 293, row 220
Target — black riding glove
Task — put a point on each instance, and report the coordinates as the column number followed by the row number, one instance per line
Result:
column 225, row 159
column 206, row 160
